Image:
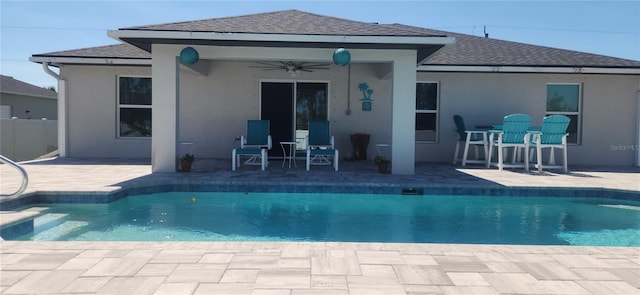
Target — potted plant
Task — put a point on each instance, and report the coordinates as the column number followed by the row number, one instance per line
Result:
column 383, row 164
column 185, row 162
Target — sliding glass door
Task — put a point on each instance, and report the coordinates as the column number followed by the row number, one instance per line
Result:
column 290, row 106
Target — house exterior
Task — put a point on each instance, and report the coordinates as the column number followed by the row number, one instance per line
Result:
column 26, row 101
column 200, row 81
column 24, row 132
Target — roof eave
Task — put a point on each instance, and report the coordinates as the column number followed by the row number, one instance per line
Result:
column 57, row 60
column 29, row 94
column 123, row 35
column 530, row 69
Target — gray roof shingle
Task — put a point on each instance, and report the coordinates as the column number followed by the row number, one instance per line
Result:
column 472, row 50
column 11, row 85
column 124, row 51
column 292, row 22
column 467, row 51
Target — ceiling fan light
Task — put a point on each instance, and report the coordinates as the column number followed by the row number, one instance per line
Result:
column 341, row 57
column 293, row 72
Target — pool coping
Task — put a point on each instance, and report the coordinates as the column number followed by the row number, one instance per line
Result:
column 15, row 216
column 116, row 193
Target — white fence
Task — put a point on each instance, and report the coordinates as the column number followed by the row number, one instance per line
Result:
column 23, row 140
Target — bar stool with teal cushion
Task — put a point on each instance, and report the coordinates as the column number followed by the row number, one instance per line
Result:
column 475, row 138
column 553, row 135
column 514, row 134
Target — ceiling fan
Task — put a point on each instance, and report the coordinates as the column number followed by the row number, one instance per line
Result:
column 292, row 68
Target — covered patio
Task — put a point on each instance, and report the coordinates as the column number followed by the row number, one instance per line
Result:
column 195, row 67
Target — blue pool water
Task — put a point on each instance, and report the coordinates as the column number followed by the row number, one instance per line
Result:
column 181, row 216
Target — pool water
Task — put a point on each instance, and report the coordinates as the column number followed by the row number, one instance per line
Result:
column 181, row 216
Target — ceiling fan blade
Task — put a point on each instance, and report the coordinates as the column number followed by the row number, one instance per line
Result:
column 266, row 63
column 316, row 68
column 313, row 64
column 266, row 67
column 291, row 66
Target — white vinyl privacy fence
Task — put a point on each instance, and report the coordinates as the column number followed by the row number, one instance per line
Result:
column 23, row 140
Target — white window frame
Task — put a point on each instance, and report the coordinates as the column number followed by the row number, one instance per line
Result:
column 436, row 112
column 577, row 113
column 129, row 106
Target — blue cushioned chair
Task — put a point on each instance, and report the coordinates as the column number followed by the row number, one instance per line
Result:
column 320, row 145
column 514, row 134
column 254, row 145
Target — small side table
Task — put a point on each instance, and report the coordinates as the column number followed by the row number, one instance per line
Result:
column 185, row 144
column 381, row 145
column 291, row 155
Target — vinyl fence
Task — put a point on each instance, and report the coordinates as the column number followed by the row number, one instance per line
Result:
column 23, row 140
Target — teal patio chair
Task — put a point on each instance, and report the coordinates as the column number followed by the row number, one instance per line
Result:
column 320, row 145
column 469, row 137
column 254, row 145
column 514, row 134
column 553, row 134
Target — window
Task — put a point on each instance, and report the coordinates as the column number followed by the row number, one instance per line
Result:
column 565, row 99
column 134, row 107
column 427, row 94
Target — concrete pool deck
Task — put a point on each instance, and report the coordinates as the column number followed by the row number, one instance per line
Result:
column 309, row 268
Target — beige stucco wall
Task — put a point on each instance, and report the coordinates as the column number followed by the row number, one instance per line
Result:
column 91, row 113
column 608, row 111
column 213, row 108
column 38, row 107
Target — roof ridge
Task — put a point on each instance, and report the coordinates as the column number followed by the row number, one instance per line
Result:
column 201, row 20
column 235, row 17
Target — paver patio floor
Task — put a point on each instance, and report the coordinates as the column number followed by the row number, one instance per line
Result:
column 309, row 267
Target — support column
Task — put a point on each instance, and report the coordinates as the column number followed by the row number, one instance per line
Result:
column 403, row 114
column 62, row 118
column 164, row 113
column 637, row 145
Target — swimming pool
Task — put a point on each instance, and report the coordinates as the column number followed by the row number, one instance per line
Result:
column 225, row 216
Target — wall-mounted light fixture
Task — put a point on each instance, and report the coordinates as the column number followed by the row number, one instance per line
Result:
column 189, row 55
column 341, row 57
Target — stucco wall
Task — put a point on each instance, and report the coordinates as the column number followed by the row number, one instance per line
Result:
column 91, row 113
column 213, row 109
column 38, row 107
column 608, row 111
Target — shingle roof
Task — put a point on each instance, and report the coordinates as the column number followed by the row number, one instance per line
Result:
column 472, row 50
column 13, row 86
column 124, row 51
column 292, row 22
column 467, row 51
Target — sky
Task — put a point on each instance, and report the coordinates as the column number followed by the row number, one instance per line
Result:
column 609, row 28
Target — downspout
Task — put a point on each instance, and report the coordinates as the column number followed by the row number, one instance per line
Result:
column 62, row 109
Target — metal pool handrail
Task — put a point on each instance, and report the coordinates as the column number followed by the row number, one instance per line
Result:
column 25, row 177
